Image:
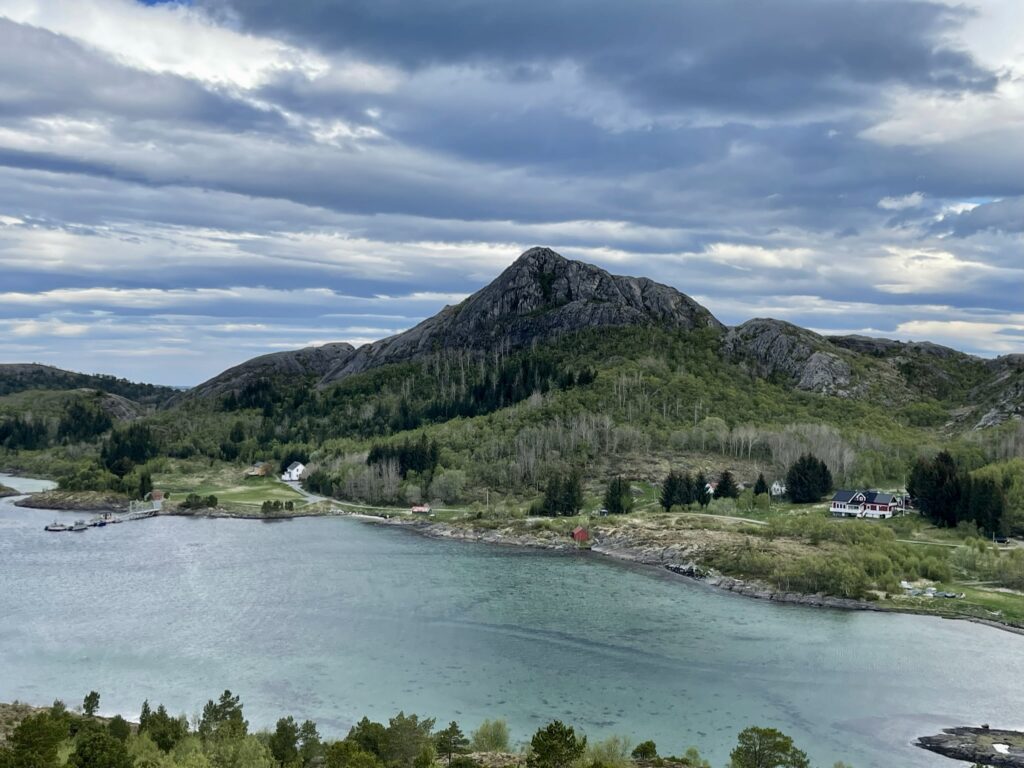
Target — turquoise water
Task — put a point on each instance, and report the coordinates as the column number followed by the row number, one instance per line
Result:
column 332, row 618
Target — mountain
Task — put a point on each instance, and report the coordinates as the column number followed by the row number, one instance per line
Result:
column 540, row 297
column 20, row 377
column 543, row 297
column 295, row 364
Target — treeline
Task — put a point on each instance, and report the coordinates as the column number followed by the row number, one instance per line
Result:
column 948, row 495
column 42, row 377
column 405, row 397
column 420, row 455
column 81, row 422
column 120, row 465
column 222, row 738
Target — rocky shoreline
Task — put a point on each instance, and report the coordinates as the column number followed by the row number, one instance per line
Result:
column 667, row 558
column 5, row 492
column 74, row 501
column 981, row 746
column 671, row 558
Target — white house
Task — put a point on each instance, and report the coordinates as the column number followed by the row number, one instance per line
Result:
column 872, row 504
column 778, row 488
column 294, row 472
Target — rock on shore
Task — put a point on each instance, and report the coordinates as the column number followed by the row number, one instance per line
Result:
column 984, row 746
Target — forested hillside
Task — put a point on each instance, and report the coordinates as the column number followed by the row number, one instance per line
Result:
column 557, row 367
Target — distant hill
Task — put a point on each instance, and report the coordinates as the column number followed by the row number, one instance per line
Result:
column 295, row 364
column 19, row 377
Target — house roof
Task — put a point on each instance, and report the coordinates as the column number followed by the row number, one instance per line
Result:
column 877, row 497
column 870, row 497
column 579, row 529
column 295, row 465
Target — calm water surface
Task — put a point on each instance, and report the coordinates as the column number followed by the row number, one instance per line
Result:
column 331, row 619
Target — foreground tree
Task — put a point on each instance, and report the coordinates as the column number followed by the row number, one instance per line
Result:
column 224, row 715
column 98, row 749
column 555, row 746
column 766, row 748
column 118, row 728
column 284, row 741
column 645, row 750
column 91, row 703
column 491, row 736
column 310, row 747
column 406, row 738
column 451, row 741
column 35, row 742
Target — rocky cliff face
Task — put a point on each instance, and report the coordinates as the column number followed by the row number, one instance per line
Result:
column 298, row 364
column 1002, row 396
column 773, row 348
column 539, row 297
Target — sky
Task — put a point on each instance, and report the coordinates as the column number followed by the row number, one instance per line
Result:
column 184, row 186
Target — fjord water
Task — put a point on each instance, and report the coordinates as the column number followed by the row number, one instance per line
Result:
column 333, row 618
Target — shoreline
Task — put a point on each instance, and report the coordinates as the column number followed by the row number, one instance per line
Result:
column 621, row 550
column 688, row 570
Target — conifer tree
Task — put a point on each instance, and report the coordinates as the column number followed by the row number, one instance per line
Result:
column 727, row 488
column 761, row 486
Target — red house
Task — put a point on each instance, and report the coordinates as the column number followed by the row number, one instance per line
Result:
column 580, row 535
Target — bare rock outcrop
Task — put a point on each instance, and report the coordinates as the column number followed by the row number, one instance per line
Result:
column 773, row 348
column 541, row 296
column 978, row 746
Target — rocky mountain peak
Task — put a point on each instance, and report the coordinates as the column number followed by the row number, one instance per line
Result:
column 540, row 296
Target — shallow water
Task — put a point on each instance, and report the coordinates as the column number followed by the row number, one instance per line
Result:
column 331, row 618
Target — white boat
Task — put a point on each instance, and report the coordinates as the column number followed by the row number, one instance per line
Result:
column 56, row 527
column 79, row 526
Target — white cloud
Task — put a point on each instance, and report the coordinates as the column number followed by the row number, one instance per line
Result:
column 913, row 200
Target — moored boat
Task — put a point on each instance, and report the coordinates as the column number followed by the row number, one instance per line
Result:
column 79, row 526
column 56, row 527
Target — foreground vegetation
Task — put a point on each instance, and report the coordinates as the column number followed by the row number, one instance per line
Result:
column 221, row 738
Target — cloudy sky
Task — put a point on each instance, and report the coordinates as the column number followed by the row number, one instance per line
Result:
column 186, row 185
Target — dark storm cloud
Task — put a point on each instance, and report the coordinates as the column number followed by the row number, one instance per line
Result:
column 774, row 56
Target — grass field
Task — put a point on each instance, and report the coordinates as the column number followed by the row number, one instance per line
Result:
column 228, row 483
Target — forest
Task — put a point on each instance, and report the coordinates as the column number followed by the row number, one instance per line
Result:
column 58, row 737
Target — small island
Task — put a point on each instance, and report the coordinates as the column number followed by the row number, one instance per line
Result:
column 978, row 746
column 6, row 491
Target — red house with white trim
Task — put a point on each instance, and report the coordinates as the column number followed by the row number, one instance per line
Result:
column 870, row 504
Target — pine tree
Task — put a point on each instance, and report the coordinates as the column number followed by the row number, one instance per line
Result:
column 617, row 499
column 91, row 703
column 573, row 494
column 670, row 491
column 687, row 491
column 808, row 479
column 727, row 488
column 701, row 494
column 451, row 741
column 761, row 486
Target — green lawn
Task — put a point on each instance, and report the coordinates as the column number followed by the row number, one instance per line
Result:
column 228, row 483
